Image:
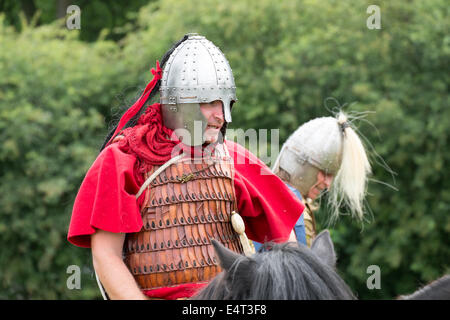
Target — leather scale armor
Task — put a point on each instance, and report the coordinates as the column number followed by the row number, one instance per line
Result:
column 185, row 207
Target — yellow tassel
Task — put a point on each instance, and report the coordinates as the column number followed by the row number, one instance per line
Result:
column 239, row 227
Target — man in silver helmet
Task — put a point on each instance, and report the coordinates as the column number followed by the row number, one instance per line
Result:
column 167, row 182
column 324, row 153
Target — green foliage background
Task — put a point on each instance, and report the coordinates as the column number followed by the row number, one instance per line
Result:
column 58, row 95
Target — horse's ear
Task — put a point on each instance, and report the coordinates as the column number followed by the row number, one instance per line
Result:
column 323, row 247
column 437, row 290
column 225, row 255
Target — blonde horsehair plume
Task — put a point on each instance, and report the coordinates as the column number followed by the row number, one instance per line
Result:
column 350, row 183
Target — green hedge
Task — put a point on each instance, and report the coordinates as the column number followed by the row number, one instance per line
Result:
column 58, row 94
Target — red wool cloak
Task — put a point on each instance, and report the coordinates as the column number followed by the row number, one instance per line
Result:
column 106, row 199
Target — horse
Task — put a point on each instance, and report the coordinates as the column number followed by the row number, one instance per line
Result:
column 292, row 271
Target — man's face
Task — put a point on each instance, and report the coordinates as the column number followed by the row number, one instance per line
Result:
column 323, row 182
column 213, row 113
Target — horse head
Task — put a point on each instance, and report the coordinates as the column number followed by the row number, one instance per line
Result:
column 288, row 271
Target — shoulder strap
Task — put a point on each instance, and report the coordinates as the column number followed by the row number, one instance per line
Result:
column 156, row 173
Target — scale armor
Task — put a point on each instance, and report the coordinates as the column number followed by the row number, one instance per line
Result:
column 185, row 207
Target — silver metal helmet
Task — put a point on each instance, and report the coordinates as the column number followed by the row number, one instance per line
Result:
column 196, row 72
column 315, row 146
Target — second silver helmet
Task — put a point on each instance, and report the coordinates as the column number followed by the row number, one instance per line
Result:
column 315, row 146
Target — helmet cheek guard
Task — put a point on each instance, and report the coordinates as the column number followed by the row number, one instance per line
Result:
column 227, row 110
column 187, row 121
column 196, row 72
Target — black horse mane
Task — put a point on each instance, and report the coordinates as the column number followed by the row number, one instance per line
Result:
column 286, row 271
